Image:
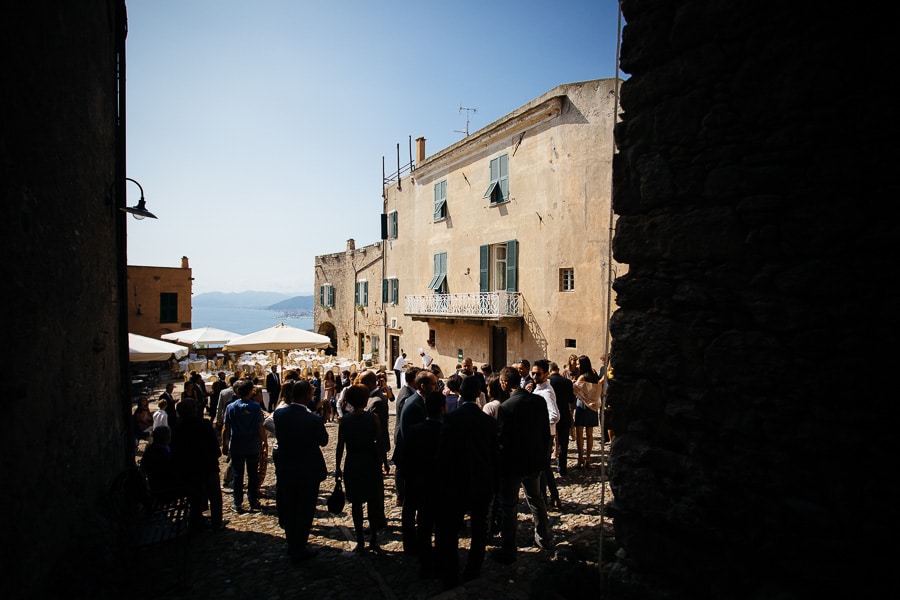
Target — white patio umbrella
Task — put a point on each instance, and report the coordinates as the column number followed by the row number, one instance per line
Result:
column 203, row 336
column 145, row 349
column 281, row 337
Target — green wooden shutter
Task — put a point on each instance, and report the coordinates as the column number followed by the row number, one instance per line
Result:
column 365, row 291
column 356, row 294
column 395, row 283
column 321, row 295
column 384, row 227
column 330, row 295
column 484, row 268
column 394, row 231
column 512, row 259
column 384, row 290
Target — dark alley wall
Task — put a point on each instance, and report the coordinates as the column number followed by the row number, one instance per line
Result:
column 63, row 442
column 754, row 155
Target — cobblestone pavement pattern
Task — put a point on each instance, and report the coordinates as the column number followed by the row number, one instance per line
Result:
column 248, row 559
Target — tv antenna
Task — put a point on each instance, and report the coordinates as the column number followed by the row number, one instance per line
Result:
column 468, row 110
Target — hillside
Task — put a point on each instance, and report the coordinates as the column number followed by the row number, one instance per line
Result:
column 253, row 299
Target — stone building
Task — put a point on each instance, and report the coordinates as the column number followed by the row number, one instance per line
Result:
column 159, row 299
column 498, row 247
column 347, row 307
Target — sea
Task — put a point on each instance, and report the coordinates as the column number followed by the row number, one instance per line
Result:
column 245, row 320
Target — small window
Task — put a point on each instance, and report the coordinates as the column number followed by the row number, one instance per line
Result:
column 498, row 189
column 440, row 200
column 438, row 283
column 362, row 293
column 566, row 280
column 326, row 295
column 390, row 290
column 570, row 343
column 168, row 307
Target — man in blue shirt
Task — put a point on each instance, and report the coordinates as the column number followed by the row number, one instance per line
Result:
column 244, row 435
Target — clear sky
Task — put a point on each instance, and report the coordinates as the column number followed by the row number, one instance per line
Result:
column 257, row 129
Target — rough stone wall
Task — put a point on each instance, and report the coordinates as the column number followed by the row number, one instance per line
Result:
column 750, row 448
column 64, row 435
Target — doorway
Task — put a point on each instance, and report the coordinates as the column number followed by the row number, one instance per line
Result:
column 498, row 348
column 394, row 351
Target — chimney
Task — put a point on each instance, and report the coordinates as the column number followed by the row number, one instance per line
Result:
column 184, row 262
column 351, row 245
column 420, row 150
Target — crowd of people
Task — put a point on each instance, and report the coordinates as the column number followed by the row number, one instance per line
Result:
column 462, row 446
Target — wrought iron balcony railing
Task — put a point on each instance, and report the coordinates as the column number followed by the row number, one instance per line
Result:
column 484, row 305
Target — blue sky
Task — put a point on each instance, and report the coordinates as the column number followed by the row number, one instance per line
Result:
column 257, row 129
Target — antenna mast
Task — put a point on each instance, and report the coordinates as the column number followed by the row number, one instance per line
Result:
column 468, row 110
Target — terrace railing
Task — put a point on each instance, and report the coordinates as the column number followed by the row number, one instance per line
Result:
column 485, row 305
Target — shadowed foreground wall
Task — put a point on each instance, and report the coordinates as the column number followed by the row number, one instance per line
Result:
column 751, row 453
column 62, row 442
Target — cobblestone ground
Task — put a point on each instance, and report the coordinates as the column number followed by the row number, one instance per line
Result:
column 248, row 559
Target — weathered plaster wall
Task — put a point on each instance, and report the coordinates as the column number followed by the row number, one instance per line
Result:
column 751, row 445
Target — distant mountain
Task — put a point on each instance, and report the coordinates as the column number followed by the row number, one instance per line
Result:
column 299, row 303
column 240, row 299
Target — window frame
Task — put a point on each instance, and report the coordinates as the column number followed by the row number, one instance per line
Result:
column 498, row 188
column 390, row 290
column 168, row 307
column 440, row 200
column 326, row 295
column 361, row 292
column 567, row 279
column 488, row 262
column 438, row 283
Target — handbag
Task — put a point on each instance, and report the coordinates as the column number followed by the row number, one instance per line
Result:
column 337, row 499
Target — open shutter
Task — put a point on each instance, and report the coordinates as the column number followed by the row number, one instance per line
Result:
column 356, row 294
column 394, row 230
column 484, row 266
column 321, row 295
column 384, row 290
column 395, row 283
column 365, row 294
column 384, row 227
column 512, row 259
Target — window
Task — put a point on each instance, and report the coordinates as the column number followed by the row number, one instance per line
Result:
column 390, row 290
column 168, row 307
column 498, row 190
column 498, row 267
column 326, row 295
column 362, row 293
column 439, row 281
column 570, row 343
column 389, row 226
column 566, row 280
column 440, row 200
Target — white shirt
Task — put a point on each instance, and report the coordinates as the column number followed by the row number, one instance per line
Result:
column 546, row 391
column 400, row 363
column 426, row 361
column 160, row 419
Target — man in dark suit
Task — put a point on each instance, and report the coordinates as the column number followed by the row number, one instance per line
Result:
column 408, row 389
column 468, row 456
column 273, row 386
column 413, row 413
column 565, row 401
column 423, row 479
column 299, row 469
column 524, row 438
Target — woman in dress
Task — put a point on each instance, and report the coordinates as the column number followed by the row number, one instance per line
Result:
column 587, row 389
column 329, row 389
column 360, row 432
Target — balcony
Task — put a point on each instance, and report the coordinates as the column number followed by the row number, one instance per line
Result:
column 478, row 305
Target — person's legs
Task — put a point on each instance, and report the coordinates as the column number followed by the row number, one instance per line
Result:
column 286, row 505
column 562, row 450
column 214, row 494
column 446, row 557
column 238, row 462
column 579, row 444
column 531, row 487
column 306, row 509
column 356, row 510
column 408, row 524
column 481, row 511
column 508, row 496
column 253, row 480
column 589, row 442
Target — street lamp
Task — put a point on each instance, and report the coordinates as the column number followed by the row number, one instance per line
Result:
column 139, row 211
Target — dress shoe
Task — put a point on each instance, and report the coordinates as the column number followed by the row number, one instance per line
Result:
column 237, row 508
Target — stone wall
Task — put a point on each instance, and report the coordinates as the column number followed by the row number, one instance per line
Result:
column 748, row 452
column 65, row 437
